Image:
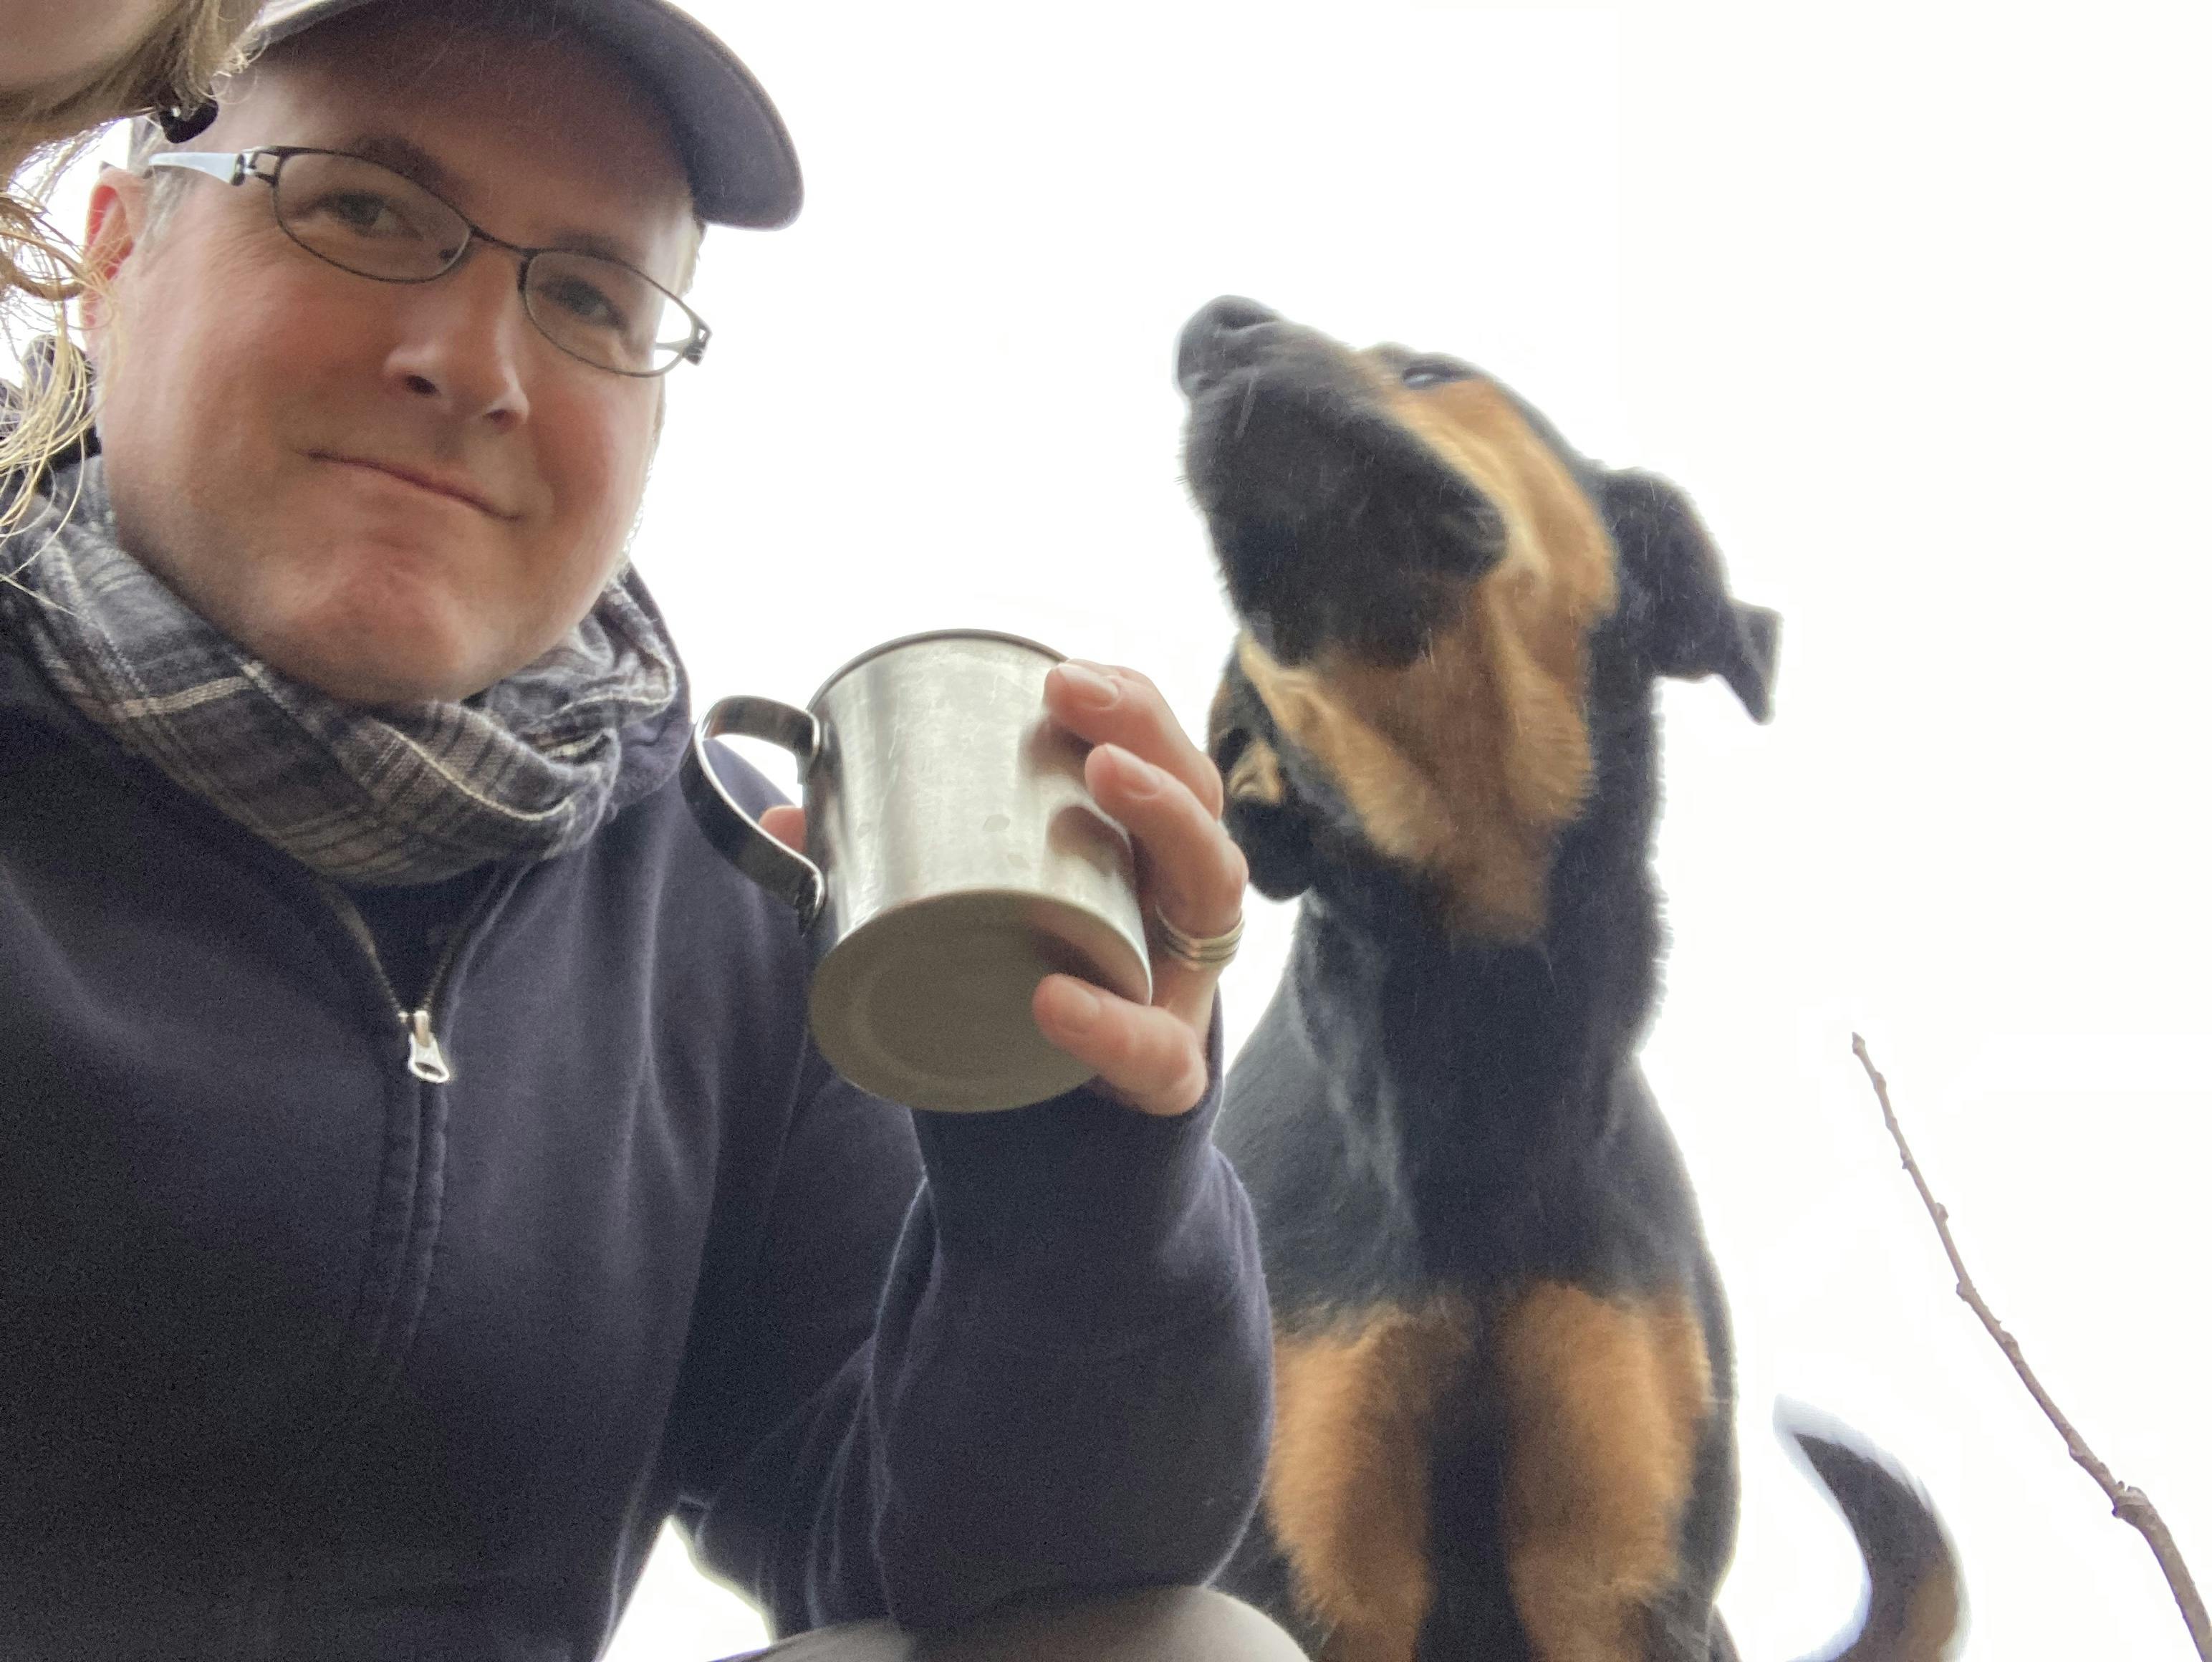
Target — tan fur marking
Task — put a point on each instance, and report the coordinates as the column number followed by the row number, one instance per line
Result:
column 1605, row 1403
column 1467, row 763
column 1401, row 813
column 1347, row 1491
column 1257, row 776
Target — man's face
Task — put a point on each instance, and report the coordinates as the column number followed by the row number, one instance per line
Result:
column 388, row 491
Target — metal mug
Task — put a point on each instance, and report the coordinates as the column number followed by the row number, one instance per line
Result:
column 954, row 858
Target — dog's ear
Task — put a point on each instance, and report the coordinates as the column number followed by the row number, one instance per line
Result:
column 1262, row 813
column 1682, row 617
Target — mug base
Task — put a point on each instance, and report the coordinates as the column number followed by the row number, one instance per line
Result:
column 928, row 1004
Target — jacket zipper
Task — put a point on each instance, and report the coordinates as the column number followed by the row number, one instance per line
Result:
column 425, row 1060
column 426, row 1057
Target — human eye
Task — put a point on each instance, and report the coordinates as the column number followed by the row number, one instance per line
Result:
column 338, row 199
column 598, row 308
column 583, row 300
column 365, row 213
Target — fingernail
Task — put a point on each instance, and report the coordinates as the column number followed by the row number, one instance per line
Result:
column 1089, row 686
column 1139, row 776
column 1079, row 1006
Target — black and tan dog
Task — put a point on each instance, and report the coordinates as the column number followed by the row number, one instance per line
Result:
column 1504, row 1403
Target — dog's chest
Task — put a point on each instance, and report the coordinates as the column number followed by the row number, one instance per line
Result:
column 1452, row 1478
column 1493, row 1380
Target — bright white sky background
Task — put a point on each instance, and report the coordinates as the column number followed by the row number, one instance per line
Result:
column 1913, row 301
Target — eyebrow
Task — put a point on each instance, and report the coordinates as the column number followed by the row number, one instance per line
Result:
column 411, row 160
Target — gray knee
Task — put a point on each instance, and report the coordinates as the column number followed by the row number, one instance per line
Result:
column 1160, row 1624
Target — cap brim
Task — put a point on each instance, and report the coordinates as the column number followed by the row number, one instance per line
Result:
column 743, row 168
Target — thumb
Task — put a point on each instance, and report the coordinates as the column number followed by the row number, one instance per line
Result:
column 787, row 825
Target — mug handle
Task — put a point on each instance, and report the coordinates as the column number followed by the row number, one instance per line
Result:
column 791, row 878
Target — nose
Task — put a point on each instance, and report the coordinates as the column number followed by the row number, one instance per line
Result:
column 1207, row 345
column 464, row 341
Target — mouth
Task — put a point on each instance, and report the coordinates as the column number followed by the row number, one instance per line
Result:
column 429, row 480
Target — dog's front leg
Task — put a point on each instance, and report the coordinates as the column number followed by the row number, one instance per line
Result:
column 1607, row 1399
column 1348, row 1481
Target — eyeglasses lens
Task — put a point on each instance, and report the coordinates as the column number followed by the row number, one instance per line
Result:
column 603, row 312
column 369, row 220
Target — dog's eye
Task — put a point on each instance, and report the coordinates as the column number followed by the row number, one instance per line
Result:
column 1433, row 371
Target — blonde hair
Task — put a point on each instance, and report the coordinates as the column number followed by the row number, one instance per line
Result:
column 174, row 65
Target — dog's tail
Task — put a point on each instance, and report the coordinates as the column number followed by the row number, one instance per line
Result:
column 1915, row 1608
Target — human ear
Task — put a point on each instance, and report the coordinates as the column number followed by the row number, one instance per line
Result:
column 114, row 223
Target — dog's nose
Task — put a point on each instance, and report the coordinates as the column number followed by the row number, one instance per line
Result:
column 1203, row 349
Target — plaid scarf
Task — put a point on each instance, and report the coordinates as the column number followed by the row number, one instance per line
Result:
column 395, row 795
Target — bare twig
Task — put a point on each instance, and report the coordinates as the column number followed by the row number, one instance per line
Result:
column 2130, row 1504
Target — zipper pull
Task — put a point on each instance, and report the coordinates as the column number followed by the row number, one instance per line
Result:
column 424, row 1059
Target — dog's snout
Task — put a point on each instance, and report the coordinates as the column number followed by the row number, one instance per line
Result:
column 1204, row 348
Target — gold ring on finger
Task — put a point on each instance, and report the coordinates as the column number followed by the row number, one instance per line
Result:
column 1198, row 952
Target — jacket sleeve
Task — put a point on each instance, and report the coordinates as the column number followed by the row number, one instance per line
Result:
column 1039, row 1361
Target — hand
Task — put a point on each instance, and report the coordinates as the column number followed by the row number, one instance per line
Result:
column 1146, row 774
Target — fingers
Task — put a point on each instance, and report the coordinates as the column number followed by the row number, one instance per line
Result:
column 1108, row 705
column 1150, row 1059
column 1188, row 871
column 1146, row 772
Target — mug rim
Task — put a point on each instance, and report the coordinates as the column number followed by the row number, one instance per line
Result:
column 915, row 639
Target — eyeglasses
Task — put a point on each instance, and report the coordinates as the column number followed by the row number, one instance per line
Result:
column 362, row 217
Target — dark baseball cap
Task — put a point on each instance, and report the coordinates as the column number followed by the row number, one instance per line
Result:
column 742, row 167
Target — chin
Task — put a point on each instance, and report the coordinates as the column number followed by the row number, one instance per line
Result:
column 391, row 636
column 384, row 682
column 385, row 660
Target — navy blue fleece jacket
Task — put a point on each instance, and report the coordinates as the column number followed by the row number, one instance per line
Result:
column 301, row 1355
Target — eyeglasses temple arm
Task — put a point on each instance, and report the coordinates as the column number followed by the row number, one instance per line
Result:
column 228, row 166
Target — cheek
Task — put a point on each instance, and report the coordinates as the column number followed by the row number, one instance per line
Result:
column 595, row 462
column 180, row 410
column 593, row 453
column 224, row 385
